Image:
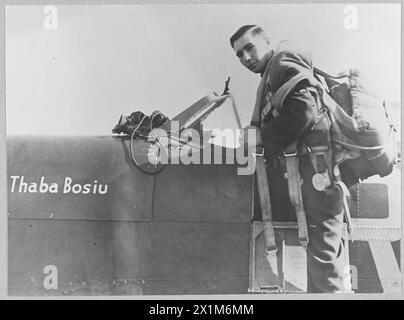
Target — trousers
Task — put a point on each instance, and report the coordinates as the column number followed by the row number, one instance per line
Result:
column 327, row 270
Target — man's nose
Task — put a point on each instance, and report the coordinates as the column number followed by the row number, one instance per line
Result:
column 247, row 57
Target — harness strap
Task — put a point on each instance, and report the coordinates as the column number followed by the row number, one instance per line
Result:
column 340, row 115
column 263, row 190
column 295, row 192
column 345, row 196
column 348, row 143
column 337, row 114
column 281, row 94
column 265, row 201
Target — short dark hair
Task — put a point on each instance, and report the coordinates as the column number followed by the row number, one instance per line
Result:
column 242, row 30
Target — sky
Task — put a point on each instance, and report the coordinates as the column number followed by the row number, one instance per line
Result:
column 106, row 60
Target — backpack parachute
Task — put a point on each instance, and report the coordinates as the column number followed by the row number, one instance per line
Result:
column 360, row 126
column 369, row 148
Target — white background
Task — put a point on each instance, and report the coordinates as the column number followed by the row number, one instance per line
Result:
column 103, row 61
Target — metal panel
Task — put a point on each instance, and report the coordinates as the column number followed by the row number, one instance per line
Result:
column 377, row 213
column 196, row 250
column 197, row 286
column 389, row 273
column 97, row 257
column 283, row 270
column 195, row 241
column 175, row 286
column 81, row 251
column 372, row 202
column 202, row 193
column 84, row 160
column 363, row 269
column 375, row 268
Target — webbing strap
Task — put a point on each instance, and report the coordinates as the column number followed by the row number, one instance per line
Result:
column 340, row 115
column 342, row 75
column 265, row 201
column 263, row 190
column 347, row 213
column 281, row 94
column 348, row 143
column 345, row 196
column 295, row 192
column 337, row 114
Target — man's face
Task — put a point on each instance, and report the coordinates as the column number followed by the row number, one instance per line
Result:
column 253, row 51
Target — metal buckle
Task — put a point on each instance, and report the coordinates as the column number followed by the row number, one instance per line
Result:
column 287, row 155
column 259, row 152
column 266, row 289
column 318, row 149
column 271, row 289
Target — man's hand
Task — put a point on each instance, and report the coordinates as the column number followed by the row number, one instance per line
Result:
column 254, row 140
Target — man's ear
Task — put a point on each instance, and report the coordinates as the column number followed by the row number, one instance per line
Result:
column 267, row 40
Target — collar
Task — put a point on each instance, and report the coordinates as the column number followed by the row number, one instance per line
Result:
column 269, row 62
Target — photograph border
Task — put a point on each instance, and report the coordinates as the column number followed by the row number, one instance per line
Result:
column 3, row 159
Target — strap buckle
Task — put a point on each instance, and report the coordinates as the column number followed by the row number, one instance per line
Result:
column 259, row 152
column 291, row 154
column 318, row 149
